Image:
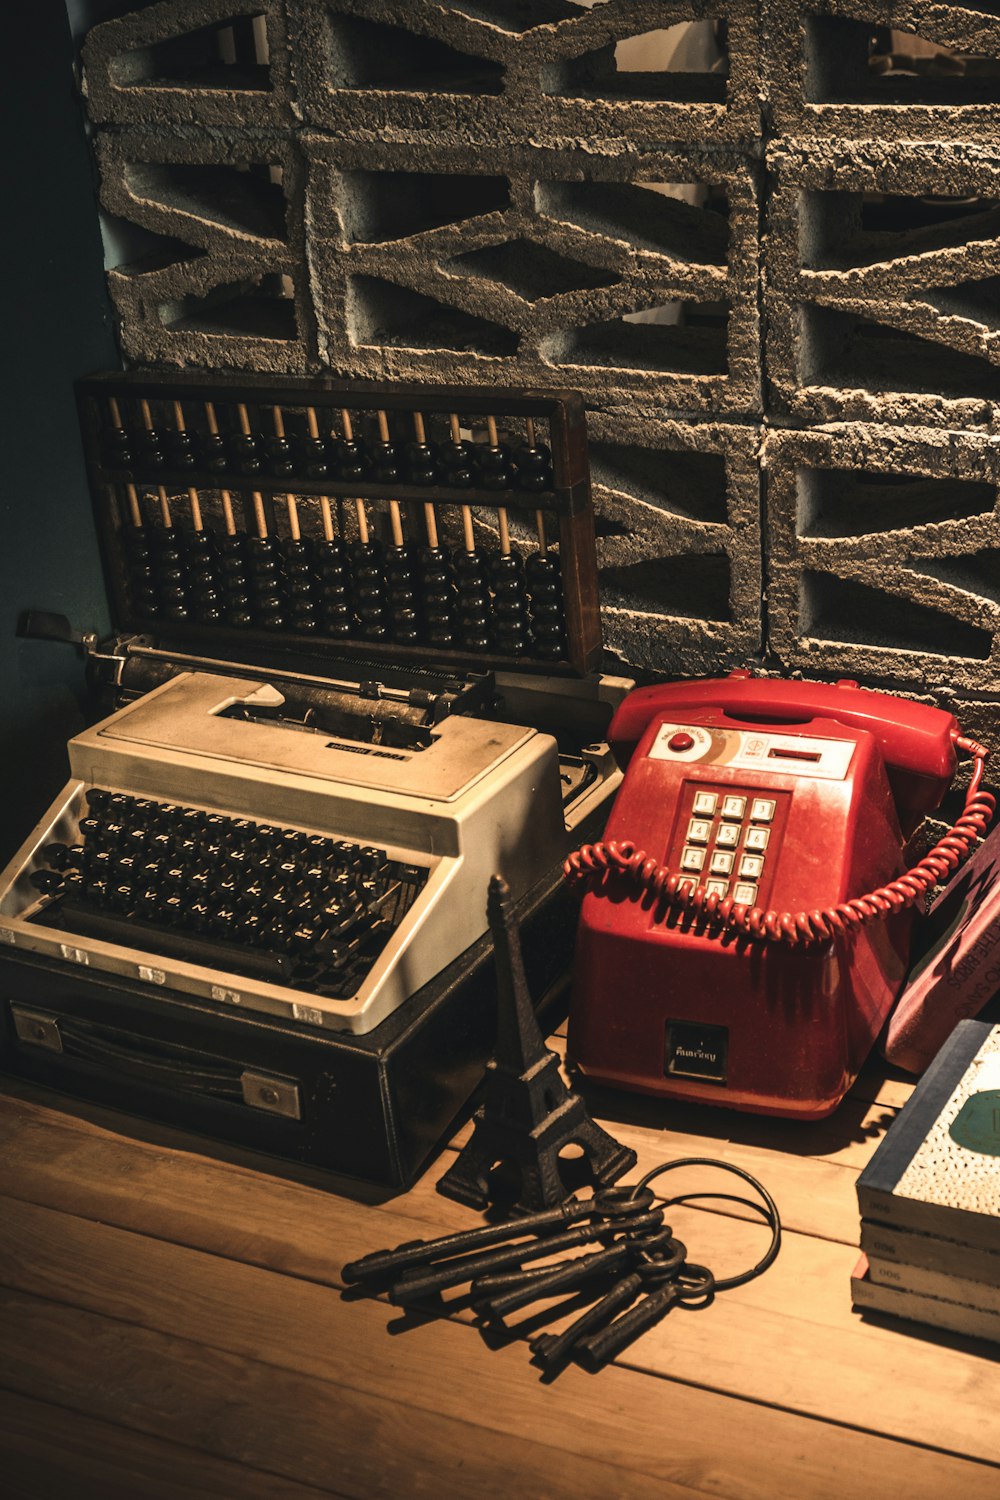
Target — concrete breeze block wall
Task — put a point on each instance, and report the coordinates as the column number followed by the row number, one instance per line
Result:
column 771, row 266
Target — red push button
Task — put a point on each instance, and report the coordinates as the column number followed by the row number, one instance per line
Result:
column 680, row 741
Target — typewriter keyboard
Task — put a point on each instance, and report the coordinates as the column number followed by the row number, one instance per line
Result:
column 295, row 908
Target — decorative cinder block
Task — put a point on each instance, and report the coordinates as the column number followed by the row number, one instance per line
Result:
column 512, row 71
column 678, row 541
column 901, row 70
column 211, row 246
column 207, row 63
column 883, row 555
column 881, row 265
column 631, row 278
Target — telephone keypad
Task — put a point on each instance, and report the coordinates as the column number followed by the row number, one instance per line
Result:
column 722, row 863
column 744, row 893
column 727, row 836
column 751, row 867
column 693, row 859
column 735, row 807
column 756, row 839
column 705, row 803
column 717, row 887
column 725, row 841
column 762, row 810
column 699, row 831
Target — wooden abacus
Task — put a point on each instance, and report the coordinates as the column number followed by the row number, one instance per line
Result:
column 430, row 522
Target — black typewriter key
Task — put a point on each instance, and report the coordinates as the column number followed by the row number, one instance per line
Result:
column 199, row 913
column 55, row 855
column 172, row 909
column 98, row 800
column 250, row 928
column 241, row 830
column 120, row 896
column 254, row 893
column 47, row 882
column 92, row 828
column 215, row 823
column 224, row 920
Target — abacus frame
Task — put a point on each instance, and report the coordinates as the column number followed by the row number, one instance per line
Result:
column 569, row 498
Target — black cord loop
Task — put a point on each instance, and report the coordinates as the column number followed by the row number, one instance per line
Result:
column 767, row 1208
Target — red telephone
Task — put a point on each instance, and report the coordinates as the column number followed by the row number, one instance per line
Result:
column 725, row 951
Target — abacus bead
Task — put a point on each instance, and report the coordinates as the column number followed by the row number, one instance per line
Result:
column 211, row 452
column 116, row 446
column 351, row 460
column 533, row 467
column 311, row 458
column 135, row 540
column 244, row 453
column 181, row 450
column 329, row 554
column 148, row 448
column 384, row 459
column 421, row 463
column 279, row 457
column 492, row 468
column 456, row 459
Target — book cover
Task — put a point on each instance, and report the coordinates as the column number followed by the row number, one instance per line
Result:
column 938, row 1169
column 907, row 1247
column 936, row 1311
column 958, row 970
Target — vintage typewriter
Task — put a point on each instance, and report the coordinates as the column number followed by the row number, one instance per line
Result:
column 353, row 678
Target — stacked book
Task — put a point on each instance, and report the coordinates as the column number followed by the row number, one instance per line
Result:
column 930, row 1196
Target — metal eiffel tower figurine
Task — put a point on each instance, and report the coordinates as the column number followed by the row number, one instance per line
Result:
column 528, row 1115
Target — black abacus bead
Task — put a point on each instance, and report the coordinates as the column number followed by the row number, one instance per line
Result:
column 351, row 460
column 421, row 461
column 405, row 624
column 116, row 448
column 384, row 462
column 311, row 457
column 329, row 556
column 210, row 450
column 135, row 540
column 280, row 462
column 336, row 623
column 244, row 451
column 148, row 447
column 180, row 450
column 533, row 467
column 456, row 460
column 491, row 467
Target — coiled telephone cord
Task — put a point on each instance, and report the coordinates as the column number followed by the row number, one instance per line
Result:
column 594, row 865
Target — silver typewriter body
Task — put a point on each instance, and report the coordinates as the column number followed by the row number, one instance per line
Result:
column 476, row 797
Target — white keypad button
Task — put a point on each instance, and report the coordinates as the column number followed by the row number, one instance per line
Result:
column 717, row 887
column 762, row 810
column 757, row 839
column 693, row 859
column 751, row 866
column 728, row 836
column 722, row 863
column 699, row 830
column 744, row 893
column 734, row 807
column 705, row 803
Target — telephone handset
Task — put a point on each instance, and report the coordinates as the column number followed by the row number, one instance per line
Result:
column 746, row 920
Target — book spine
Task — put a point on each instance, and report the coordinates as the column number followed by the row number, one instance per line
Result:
column 981, row 1231
column 953, row 1316
column 923, row 1283
column 908, row 1248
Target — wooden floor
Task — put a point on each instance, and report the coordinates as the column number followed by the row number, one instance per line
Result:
column 172, row 1322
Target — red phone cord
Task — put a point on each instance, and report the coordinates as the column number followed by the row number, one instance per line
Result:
column 596, row 866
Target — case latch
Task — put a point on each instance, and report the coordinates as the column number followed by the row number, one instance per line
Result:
column 39, row 1028
column 278, row 1096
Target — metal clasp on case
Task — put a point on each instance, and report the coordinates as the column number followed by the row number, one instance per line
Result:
column 39, row 1028
column 276, row 1095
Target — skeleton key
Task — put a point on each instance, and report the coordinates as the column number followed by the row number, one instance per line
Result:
column 594, row 1351
column 567, row 1277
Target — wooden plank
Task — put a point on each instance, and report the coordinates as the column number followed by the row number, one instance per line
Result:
column 844, row 1371
column 50, row 1450
column 656, row 1439
column 301, row 1427
column 71, row 1170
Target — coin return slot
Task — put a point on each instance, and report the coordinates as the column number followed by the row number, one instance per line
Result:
column 779, row 752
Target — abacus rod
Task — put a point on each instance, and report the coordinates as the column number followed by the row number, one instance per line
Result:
column 395, row 519
column 491, row 432
column 494, row 442
column 543, row 545
column 135, row 509
column 311, row 422
column 278, row 417
column 244, row 417
column 362, row 520
column 196, row 520
column 347, row 424
column 469, row 535
column 115, row 410
column 165, row 515
column 529, row 427
column 294, row 530
column 147, row 417
column 258, row 514
column 227, row 513
column 430, row 520
column 327, row 515
column 179, row 417
column 211, row 418
column 456, row 427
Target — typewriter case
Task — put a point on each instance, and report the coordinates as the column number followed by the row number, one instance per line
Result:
column 367, row 1095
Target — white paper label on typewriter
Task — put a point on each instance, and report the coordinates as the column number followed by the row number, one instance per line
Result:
column 259, row 865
